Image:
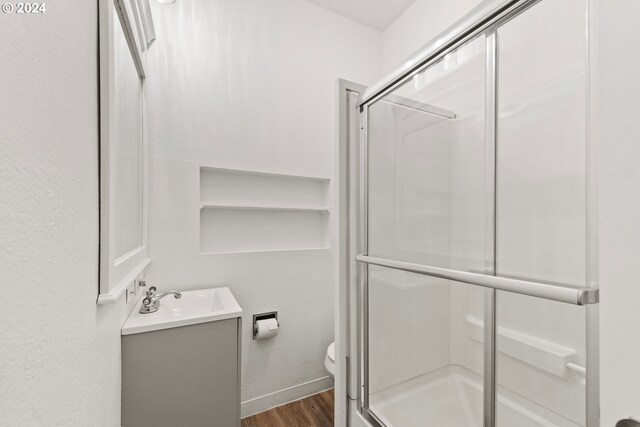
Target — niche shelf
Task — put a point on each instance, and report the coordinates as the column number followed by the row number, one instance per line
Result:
column 266, row 207
column 248, row 211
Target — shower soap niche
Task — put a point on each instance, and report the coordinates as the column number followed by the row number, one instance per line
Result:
column 249, row 211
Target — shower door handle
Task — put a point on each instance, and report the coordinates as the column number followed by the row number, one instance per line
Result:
column 576, row 296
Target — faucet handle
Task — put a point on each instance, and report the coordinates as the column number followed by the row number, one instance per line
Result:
column 148, row 306
column 151, row 302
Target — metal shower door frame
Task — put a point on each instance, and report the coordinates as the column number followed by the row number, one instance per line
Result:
column 485, row 19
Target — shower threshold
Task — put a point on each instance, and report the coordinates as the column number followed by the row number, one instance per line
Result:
column 452, row 396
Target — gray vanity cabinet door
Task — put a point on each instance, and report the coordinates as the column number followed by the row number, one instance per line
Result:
column 186, row 376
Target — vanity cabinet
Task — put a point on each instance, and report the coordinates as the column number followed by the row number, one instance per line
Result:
column 182, row 376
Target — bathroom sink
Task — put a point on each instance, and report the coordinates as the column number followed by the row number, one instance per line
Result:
column 206, row 305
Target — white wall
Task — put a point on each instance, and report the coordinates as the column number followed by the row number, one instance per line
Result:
column 417, row 25
column 250, row 85
column 615, row 93
column 60, row 353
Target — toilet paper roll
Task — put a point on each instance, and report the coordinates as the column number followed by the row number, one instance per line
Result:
column 267, row 328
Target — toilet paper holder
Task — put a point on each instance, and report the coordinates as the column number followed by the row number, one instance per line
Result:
column 263, row 316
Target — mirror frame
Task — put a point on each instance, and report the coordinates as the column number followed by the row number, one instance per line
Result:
column 117, row 274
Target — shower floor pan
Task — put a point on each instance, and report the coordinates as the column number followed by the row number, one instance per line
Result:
column 452, row 397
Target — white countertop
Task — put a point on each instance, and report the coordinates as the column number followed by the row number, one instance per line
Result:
column 201, row 306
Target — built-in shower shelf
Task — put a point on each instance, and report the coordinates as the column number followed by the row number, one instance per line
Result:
column 265, row 207
column 252, row 211
column 265, row 251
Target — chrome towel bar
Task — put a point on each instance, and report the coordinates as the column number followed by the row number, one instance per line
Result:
column 575, row 296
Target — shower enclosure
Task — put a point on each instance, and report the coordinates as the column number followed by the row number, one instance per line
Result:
column 468, row 262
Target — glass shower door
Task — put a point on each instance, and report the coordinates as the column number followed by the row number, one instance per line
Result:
column 541, row 228
column 475, row 268
column 427, row 173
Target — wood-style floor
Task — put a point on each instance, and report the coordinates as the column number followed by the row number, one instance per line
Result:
column 314, row 411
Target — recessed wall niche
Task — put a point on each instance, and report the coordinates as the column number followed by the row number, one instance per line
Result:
column 247, row 211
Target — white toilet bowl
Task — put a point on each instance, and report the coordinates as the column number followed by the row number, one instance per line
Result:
column 330, row 360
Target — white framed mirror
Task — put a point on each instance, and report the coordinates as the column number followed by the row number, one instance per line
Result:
column 126, row 32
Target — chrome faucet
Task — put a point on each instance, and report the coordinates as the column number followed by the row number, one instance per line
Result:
column 151, row 301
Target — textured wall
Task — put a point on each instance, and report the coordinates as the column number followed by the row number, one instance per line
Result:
column 420, row 23
column 59, row 352
column 250, row 85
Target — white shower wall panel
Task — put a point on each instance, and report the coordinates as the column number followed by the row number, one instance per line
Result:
column 409, row 185
column 411, row 312
column 541, row 151
column 409, row 219
column 471, row 233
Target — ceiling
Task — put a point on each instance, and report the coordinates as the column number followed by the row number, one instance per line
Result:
column 374, row 13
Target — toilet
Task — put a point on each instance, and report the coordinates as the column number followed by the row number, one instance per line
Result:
column 330, row 360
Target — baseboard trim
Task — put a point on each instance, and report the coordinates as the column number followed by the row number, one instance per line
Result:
column 287, row 395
